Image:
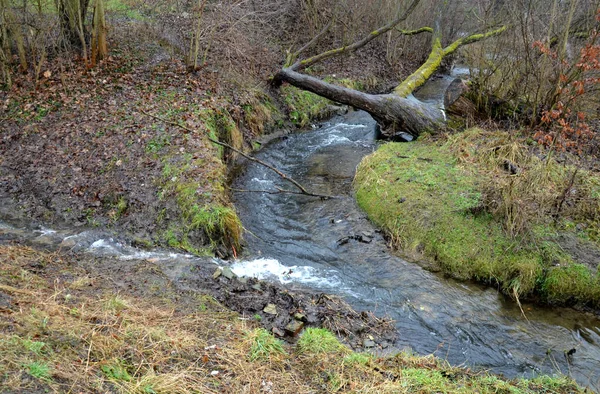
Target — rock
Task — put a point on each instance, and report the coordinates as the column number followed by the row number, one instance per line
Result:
column 278, row 331
column 217, row 273
column 294, row 327
column 243, row 280
column 68, row 243
column 368, row 343
column 402, row 137
column 257, row 287
column 299, row 317
column 228, row 273
column 270, row 309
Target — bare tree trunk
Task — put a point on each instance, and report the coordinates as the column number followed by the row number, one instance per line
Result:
column 72, row 15
column 99, row 45
column 391, row 111
column 194, row 52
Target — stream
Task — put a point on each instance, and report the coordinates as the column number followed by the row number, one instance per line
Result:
column 330, row 246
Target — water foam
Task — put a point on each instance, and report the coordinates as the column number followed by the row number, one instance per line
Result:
column 272, row 269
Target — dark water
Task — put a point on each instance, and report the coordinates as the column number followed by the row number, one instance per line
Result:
column 300, row 240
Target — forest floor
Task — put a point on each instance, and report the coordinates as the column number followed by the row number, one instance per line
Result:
column 80, row 149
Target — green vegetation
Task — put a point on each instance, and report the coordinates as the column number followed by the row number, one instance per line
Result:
column 304, row 107
column 181, row 342
column 195, row 184
column 317, row 341
column 457, row 203
column 264, row 345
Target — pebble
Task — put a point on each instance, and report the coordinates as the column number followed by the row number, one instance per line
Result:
column 271, row 309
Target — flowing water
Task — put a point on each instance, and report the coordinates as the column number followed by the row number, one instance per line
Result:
column 329, row 245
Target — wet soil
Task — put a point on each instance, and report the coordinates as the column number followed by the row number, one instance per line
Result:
column 78, row 151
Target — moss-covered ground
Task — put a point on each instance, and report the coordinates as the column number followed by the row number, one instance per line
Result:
column 483, row 206
column 65, row 328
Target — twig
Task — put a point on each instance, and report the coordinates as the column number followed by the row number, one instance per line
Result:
column 14, row 290
column 516, row 295
column 281, row 191
column 262, row 163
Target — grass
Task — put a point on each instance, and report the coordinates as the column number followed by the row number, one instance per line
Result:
column 317, row 341
column 264, row 345
column 181, row 342
column 451, row 202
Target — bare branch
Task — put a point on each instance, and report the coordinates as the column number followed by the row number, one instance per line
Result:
column 279, row 191
column 300, row 65
column 291, row 57
column 262, row 163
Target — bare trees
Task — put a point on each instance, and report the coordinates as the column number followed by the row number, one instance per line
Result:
column 35, row 30
column 522, row 80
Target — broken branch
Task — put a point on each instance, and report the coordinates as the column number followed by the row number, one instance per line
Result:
column 300, row 65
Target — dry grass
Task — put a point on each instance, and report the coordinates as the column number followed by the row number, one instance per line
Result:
column 65, row 332
column 523, row 189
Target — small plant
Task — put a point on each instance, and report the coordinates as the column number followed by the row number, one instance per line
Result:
column 567, row 127
column 38, row 370
column 358, row 359
column 257, row 317
column 116, row 304
column 264, row 345
column 33, row 346
column 116, row 371
column 317, row 341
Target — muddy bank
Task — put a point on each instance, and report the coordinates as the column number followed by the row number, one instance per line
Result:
column 283, row 312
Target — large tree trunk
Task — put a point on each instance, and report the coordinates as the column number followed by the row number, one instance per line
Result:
column 393, row 112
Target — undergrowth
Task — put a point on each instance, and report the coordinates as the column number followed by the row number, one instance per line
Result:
column 482, row 206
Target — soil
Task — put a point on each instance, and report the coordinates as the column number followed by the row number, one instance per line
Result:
column 78, row 150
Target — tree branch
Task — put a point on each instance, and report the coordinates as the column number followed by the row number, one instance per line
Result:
column 262, row 163
column 471, row 39
column 300, row 65
column 434, row 60
column 292, row 56
column 424, row 29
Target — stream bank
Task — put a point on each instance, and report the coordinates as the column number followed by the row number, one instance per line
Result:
column 117, row 319
column 483, row 206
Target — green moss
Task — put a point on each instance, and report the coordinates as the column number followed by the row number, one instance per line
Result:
column 434, row 208
column 573, row 282
column 201, row 219
column 304, row 107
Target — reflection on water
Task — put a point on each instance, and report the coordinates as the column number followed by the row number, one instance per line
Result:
column 331, row 246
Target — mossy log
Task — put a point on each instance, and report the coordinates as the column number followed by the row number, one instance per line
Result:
column 391, row 111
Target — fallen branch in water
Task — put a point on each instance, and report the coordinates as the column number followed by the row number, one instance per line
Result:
column 281, row 191
column 262, row 163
